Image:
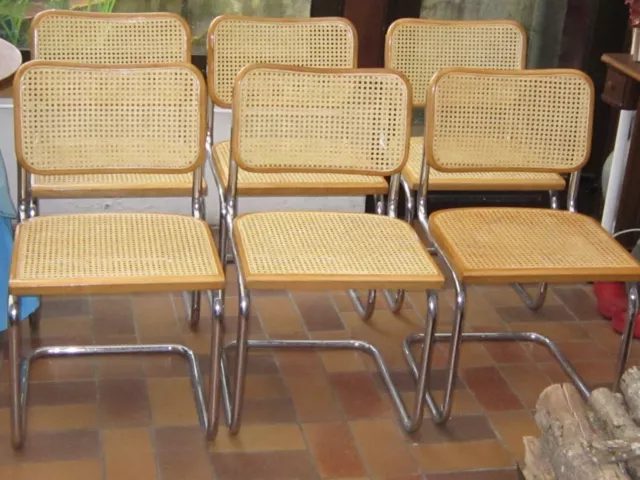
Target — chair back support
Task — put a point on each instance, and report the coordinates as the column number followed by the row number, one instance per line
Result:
column 419, row 48
column 529, row 120
column 110, row 38
column 236, row 41
column 72, row 118
column 320, row 120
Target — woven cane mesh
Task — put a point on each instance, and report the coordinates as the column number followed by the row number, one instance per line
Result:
column 475, row 180
column 105, row 120
column 235, row 42
column 332, row 245
column 180, row 184
column 91, row 248
column 110, row 39
column 325, row 183
column 486, row 241
column 419, row 48
column 351, row 122
column 527, row 121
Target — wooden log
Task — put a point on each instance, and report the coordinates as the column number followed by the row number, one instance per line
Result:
column 537, row 466
column 562, row 417
column 613, row 417
column 630, row 387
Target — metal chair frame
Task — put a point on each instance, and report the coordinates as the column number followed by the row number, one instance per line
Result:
column 441, row 413
column 19, row 365
column 233, row 397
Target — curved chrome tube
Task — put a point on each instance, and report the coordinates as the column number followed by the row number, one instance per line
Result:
column 395, row 300
column 627, row 336
column 533, row 337
column 532, row 304
column 365, row 312
column 215, row 375
column 19, row 370
column 410, row 422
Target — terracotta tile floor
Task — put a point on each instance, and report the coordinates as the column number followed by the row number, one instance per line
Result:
column 307, row 415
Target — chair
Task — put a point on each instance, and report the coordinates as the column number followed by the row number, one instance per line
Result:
column 419, row 48
column 111, row 39
column 235, row 42
column 519, row 121
column 337, row 121
column 72, row 119
column 108, row 39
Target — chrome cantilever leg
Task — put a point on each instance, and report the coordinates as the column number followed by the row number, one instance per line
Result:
column 627, row 336
column 442, row 413
column 19, row 367
column 198, row 210
column 410, row 422
column 215, row 384
column 366, row 311
column 16, row 376
column 27, row 208
column 532, row 304
column 395, row 300
column 537, row 303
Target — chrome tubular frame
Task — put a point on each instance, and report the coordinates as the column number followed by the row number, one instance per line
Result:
column 394, row 299
column 233, row 400
column 572, row 195
column 19, row 367
column 27, row 208
column 366, row 311
column 627, row 336
column 198, row 209
column 228, row 210
column 537, row 303
column 23, row 194
column 192, row 299
column 441, row 413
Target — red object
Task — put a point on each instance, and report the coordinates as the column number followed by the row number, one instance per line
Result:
column 619, row 321
column 634, row 12
column 612, row 298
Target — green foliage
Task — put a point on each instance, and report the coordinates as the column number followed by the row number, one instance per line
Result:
column 12, row 14
column 58, row 4
column 103, row 6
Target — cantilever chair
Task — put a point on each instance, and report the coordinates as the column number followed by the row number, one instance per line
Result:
column 235, row 42
column 337, row 121
column 419, row 48
column 519, row 121
column 73, row 119
column 111, row 39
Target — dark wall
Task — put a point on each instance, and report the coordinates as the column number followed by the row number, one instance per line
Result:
column 592, row 28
